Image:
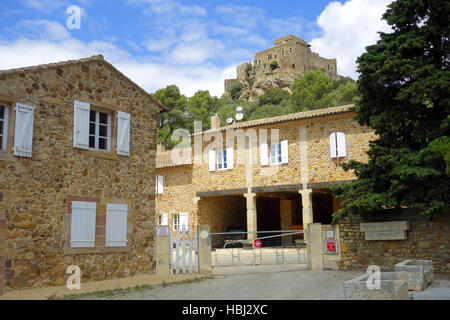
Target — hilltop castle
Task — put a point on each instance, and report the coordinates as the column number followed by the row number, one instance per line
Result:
column 277, row 67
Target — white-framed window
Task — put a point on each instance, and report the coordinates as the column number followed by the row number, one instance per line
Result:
column 222, row 160
column 279, row 153
column 82, row 234
column 338, row 147
column 176, row 221
column 99, row 130
column 163, row 219
column 3, row 127
column 159, row 184
column 116, row 225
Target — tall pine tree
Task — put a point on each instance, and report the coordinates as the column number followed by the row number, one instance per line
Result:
column 404, row 84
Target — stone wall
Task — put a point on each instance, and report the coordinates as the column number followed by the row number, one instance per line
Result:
column 36, row 192
column 428, row 239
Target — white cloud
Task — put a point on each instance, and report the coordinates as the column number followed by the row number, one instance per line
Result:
column 45, row 6
column 348, row 29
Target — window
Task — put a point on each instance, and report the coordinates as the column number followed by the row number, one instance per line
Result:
column 116, row 225
column 275, row 153
column 275, row 56
column 282, row 52
column 338, row 147
column 269, row 56
column 3, row 128
column 159, row 184
column 290, row 50
column 222, row 160
column 99, row 130
column 279, row 153
column 176, row 221
column 163, row 219
column 82, row 233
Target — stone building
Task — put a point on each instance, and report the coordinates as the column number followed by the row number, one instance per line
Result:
column 293, row 57
column 296, row 159
column 276, row 174
column 77, row 168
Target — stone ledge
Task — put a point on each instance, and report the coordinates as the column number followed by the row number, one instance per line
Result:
column 227, row 192
column 101, row 155
column 285, row 187
column 96, row 250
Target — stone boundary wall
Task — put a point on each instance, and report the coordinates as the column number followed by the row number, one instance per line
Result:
column 427, row 239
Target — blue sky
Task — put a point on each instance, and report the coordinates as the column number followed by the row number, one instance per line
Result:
column 193, row 44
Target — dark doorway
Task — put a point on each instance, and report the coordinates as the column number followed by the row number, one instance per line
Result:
column 322, row 207
column 268, row 218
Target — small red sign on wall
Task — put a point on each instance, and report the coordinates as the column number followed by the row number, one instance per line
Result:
column 331, row 245
column 257, row 243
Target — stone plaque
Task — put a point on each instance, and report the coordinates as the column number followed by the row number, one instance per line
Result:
column 385, row 235
column 384, row 226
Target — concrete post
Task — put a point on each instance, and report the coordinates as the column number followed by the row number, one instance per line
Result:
column 252, row 221
column 286, row 220
column 162, row 254
column 204, row 249
column 307, row 204
column 315, row 246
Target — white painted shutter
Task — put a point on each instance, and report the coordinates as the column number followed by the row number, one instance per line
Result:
column 165, row 219
column 230, row 158
column 81, row 124
column 284, row 151
column 23, row 135
column 333, row 151
column 123, row 133
column 116, row 225
column 83, row 224
column 160, row 181
column 341, row 147
column 184, row 220
column 264, row 154
column 212, row 160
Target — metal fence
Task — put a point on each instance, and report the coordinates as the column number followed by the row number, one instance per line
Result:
column 225, row 253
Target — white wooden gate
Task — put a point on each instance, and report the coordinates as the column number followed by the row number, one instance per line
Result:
column 184, row 251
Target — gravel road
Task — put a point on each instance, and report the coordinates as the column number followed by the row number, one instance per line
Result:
column 278, row 282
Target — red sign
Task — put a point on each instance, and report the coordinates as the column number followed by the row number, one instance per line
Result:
column 331, row 245
column 257, row 243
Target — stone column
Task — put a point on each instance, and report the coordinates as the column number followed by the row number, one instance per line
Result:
column 204, row 249
column 315, row 246
column 307, row 210
column 286, row 221
column 252, row 221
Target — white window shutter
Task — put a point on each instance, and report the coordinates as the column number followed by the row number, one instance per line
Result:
column 212, row 160
column 333, row 151
column 264, row 154
column 123, row 133
column 23, row 135
column 160, row 181
column 284, row 151
column 83, row 224
column 184, row 220
column 81, row 124
column 165, row 219
column 116, row 225
column 230, row 158
column 341, row 146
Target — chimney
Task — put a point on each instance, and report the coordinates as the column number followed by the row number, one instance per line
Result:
column 160, row 147
column 215, row 122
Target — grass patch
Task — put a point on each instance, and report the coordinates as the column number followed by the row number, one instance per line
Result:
column 123, row 291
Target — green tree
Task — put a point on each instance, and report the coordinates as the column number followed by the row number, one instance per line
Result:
column 175, row 117
column 235, row 90
column 274, row 96
column 201, row 106
column 346, row 93
column 313, row 90
column 270, row 110
column 404, row 85
column 274, row 65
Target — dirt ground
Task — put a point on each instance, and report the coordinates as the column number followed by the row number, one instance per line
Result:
column 279, row 282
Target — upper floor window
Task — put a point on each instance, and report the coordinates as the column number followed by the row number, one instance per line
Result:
column 282, row 52
column 269, row 56
column 159, row 184
column 290, row 50
column 338, row 147
column 275, row 153
column 99, row 130
column 222, row 163
column 3, row 128
column 279, row 153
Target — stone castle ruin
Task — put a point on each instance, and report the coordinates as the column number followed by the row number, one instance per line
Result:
column 277, row 67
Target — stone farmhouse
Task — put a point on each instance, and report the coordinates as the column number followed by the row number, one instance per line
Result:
column 77, row 168
column 293, row 57
column 276, row 174
column 287, row 187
